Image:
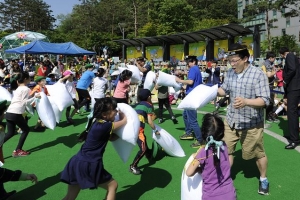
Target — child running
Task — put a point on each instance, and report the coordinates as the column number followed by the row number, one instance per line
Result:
column 40, row 87
column 15, row 110
column 86, row 169
column 213, row 162
column 68, row 77
column 145, row 112
column 99, row 85
column 123, row 87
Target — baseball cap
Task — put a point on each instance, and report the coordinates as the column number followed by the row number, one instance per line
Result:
column 190, row 58
column 144, row 94
column 68, row 72
column 87, row 66
column 39, row 78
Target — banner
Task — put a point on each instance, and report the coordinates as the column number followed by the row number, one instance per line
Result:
column 155, row 53
column 247, row 41
column 176, row 53
column 198, row 49
column 132, row 52
column 220, row 48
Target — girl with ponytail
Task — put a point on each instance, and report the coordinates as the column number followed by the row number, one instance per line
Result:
column 212, row 161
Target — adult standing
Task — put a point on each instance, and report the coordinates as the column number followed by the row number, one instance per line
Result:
column 144, row 68
column 82, row 86
column 214, row 74
column 291, row 80
column 190, row 116
column 269, row 68
column 249, row 95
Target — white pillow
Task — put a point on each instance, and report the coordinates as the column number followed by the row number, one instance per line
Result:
column 150, row 80
column 29, row 109
column 60, row 94
column 92, row 99
column 191, row 187
column 45, row 111
column 199, row 97
column 168, row 143
column 129, row 132
column 5, row 95
column 123, row 149
column 136, row 76
column 121, row 69
column 165, row 79
column 56, row 111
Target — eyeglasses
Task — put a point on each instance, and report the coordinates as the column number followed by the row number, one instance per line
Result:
column 234, row 61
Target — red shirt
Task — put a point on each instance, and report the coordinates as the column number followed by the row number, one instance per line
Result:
column 40, row 73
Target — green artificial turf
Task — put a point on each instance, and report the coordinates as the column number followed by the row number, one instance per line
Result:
column 51, row 150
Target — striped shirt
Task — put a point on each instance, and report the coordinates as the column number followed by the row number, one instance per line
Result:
column 250, row 84
column 144, row 109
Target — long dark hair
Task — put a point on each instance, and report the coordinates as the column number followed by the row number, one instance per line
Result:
column 213, row 125
column 124, row 74
column 101, row 106
column 17, row 79
column 101, row 72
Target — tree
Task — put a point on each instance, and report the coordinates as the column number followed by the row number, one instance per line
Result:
column 281, row 41
column 263, row 7
column 34, row 15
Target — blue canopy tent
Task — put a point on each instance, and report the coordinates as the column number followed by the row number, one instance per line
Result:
column 41, row 47
column 72, row 49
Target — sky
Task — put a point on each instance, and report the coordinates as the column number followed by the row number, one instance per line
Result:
column 61, row 6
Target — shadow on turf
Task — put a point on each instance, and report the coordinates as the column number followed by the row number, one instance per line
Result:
column 247, row 167
column 77, row 122
column 150, row 178
column 283, row 125
column 68, row 140
column 37, row 191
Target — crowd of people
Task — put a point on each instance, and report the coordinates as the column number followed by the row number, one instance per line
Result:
column 248, row 88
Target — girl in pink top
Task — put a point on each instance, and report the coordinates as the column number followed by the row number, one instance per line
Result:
column 123, row 87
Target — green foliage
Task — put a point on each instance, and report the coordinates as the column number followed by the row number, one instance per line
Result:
column 208, row 23
column 33, row 15
column 281, row 41
column 94, row 23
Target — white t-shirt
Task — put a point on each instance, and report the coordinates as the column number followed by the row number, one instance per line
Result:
column 71, row 89
column 20, row 100
column 99, row 86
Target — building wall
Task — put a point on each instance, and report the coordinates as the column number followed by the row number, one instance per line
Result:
column 283, row 25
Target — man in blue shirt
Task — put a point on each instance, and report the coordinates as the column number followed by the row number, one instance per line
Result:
column 190, row 116
column 82, row 86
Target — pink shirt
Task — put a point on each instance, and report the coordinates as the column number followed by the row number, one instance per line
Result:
column 121, row 89
column 280, row 78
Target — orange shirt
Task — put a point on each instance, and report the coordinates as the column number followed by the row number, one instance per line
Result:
column 38, row 88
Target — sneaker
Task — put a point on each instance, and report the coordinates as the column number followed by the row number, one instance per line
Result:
column 160, row 121
column 270, row 120
column 19, row 153
column 187, row 137
column 275, row 118
column 174, row 120
column 134, row 170
column 196, row 144
column 263, row 188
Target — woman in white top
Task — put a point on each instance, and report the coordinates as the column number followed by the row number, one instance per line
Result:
column 99, row 85
column 15, row 110
column 68, row 76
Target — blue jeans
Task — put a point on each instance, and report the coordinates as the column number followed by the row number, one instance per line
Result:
column 191, row 123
